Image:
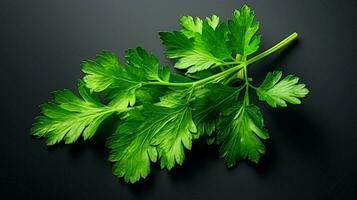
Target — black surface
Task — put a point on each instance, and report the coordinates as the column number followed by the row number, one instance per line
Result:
column 312, row 150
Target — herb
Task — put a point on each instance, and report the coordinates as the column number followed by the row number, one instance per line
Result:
column 160, row 113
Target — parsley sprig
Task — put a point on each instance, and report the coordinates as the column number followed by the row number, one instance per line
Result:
column 161, row 113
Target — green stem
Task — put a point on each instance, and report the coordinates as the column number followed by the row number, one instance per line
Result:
column 276, row 47
column 246, row 95
column 169, row 84
column 232, row 78
column 202, row 81
column 219, row 75
column 227, row 63
column 252, row 86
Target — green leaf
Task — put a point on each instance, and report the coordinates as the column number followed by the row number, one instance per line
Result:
column 107, row 74
column 209, row 102
column 150, row 93
column 214, row 40
column 239, row 130
column 122, row 81
column 174, row 135
column 277, row 92
column 131, row 150
column 191, row 26
column 243, row 39
column 69, row 116
column 102, row 73
column 165, row 73
column 147, row 63
column 199, row 45
column 163, row 133
column 213, row 21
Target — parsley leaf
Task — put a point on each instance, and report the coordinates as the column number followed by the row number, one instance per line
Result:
column 243, row 28
column 199, row 45
column 174, row 135
column 69, row 116
column 107, row 73
column 239, row 130
column 102, row 73
column 208, row 104
column 131, row 150
column 162, row 133
column 275, row 91
column 123, row 81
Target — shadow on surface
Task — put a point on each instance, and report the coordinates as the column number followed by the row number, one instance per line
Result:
column 195, row 161
column 299, row 131
column 143, row 186
column 267, row 161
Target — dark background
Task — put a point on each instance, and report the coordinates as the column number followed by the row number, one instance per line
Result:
column 312, row 150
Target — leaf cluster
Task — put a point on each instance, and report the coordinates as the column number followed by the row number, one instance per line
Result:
column 161, row 113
